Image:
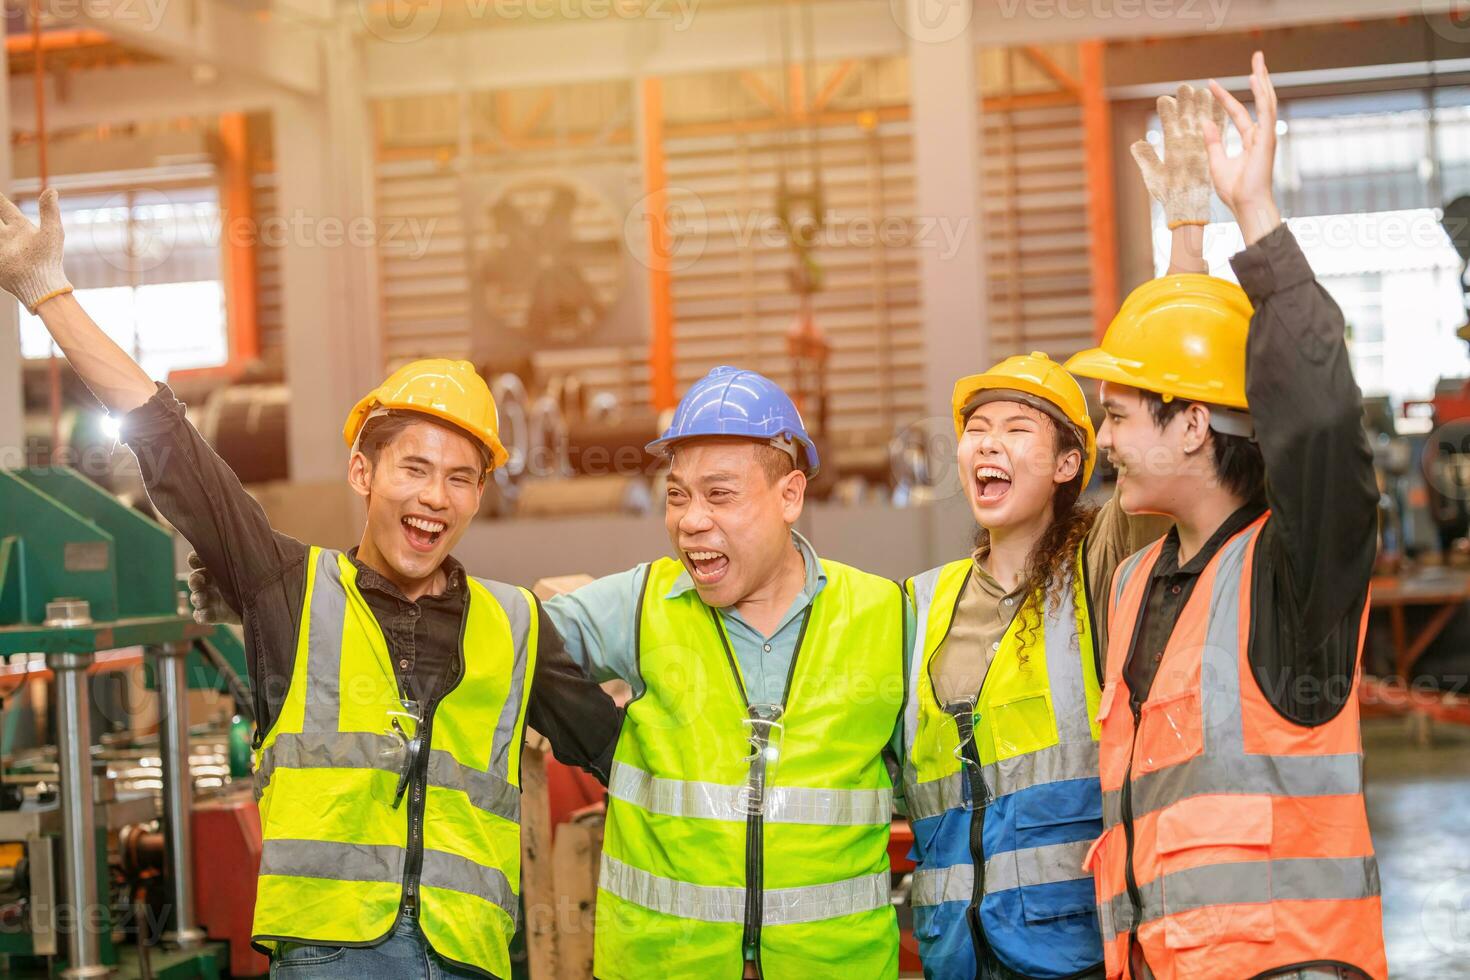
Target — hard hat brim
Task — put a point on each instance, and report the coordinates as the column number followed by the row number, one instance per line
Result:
column 809, row 464
column 1099, row 365
column 499, row 456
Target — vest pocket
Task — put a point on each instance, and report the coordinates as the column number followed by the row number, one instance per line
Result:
column 1170, row 731
column 1215, row 871
column 1022, row 725
column 1055, row 827
column 1113, row 765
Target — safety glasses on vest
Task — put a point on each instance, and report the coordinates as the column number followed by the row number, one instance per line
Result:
column 763, row 730
column 977, row 792
column 402, row 749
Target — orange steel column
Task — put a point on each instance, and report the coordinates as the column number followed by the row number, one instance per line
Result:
column 1097, row 150
column 660, row 249
column 238, row 206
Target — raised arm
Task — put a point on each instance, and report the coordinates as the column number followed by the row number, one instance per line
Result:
column 30, row 270
column 186, row 480
column 1181, row 181
column 1299, row 381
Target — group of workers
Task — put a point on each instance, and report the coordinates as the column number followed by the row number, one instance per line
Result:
column 1127, row 736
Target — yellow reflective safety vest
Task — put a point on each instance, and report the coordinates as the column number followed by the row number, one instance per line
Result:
column 338, row 855
column 1000, row 864
column 690, row 878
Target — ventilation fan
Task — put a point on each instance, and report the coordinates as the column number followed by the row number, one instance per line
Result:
column 551, row 262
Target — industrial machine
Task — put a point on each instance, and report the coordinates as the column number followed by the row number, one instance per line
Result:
column 87, row 587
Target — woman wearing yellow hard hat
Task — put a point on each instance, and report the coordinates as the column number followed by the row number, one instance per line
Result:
column 999, row 742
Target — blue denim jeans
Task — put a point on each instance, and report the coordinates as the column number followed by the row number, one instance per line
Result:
column 404, row 955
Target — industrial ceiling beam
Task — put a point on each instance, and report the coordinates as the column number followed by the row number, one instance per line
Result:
column 515, row 55
column 280, row 51
column 137, row 93
column 680, row 37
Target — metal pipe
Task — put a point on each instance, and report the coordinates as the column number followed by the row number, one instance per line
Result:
column 78, row 820
column 178, row 791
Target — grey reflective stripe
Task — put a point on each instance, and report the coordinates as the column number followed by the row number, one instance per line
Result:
column 458, row 874
column 364, row 750
column 934, row 797
column 1260, row 775
column 331, row 859
column 1125, row 571
column 1064, row 671
column 334, row 750
column 706, row 903
column 924, row 586
column 784, row 804
column 486, row 791
column 518, row 611
column 1246, row 883
column 324, row 645
column 1023, row 868
column 1043, row 865
column 1053, row 764
column 935, row 886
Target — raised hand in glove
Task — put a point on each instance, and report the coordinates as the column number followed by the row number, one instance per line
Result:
column 30, row 257
column 1181, row 181
column 208, row 602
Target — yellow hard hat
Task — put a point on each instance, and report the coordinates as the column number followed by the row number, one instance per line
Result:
column 1180, row 336
column 445, row 389
column 1039, row 377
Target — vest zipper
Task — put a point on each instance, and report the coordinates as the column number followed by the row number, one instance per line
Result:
column 414, row 864
column 1135, row 897
column 755, row 825
column 977, row 855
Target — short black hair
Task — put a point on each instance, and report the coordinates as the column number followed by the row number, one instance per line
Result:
column 377, row 433
column 1239, row 465
column 775, row 462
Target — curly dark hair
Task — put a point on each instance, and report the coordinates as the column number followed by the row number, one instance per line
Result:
column 1049, row 566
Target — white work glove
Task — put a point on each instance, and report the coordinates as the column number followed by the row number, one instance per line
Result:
column 1181, row 181
column 30, row 257
column 208, row 602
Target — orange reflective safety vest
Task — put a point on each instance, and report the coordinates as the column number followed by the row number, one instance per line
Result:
column 1235, row 842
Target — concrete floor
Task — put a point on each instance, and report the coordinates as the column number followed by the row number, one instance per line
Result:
column 1419, row 810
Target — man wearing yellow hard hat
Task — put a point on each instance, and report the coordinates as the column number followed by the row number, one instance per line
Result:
column 999, row 742
column 391, row 689
column 1235, row 840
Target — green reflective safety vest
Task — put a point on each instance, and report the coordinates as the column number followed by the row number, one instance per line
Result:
column 337, row 854
column 689, row 879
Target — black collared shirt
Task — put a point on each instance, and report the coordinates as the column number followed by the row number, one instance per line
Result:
column 1169, row 589
column 262, row 575
column 1315, row 554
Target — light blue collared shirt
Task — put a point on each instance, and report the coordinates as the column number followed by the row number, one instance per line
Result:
column 598, row 625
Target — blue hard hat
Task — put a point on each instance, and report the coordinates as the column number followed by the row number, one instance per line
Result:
column 732, row 402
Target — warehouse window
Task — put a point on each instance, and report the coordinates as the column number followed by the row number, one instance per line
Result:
column 1363, row 178
column 146, row 267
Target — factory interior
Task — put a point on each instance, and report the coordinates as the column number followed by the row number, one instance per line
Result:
column 272, row 205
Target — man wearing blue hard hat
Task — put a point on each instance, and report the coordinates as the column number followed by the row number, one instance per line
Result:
column 749, row 803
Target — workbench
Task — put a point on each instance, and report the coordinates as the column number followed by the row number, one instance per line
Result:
column 1444, row 590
